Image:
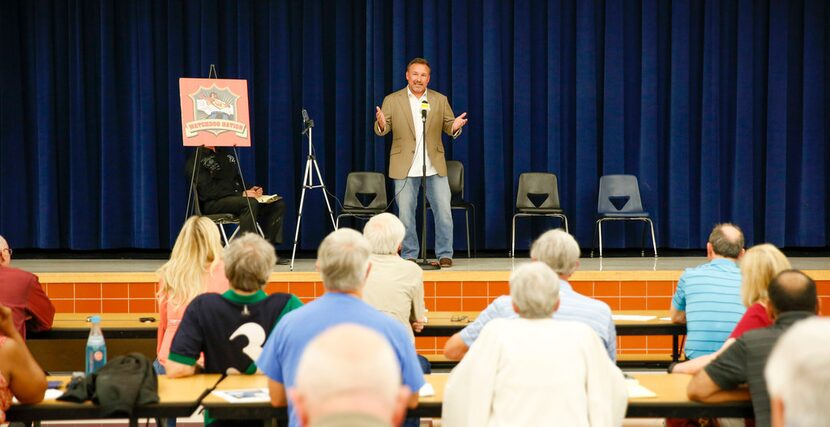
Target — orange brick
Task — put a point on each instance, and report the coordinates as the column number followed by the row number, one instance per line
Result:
column 633, row 289
column 306, row 300
column 606, row 289
column 630, row 342
column 115, row 290
column 584, row 288
column 60, row 290
column 660, row 289
column 633, row 303
column 659, row 342
column 495, row 289
column 448, row 289
column 429, row 304
column 275, row 287
column 474, row 304
column 474, row 289
column 448, row 304
column 141, row 306
column 88, row 306
column 142, row 290
column 319, row 289
column 87, row 290
column 425, row 343
column 822, row 287
column 115, row 306
column 613, row 302
column 429, row 289
column 64, row 305
column 824, row 306
column 658, row 303
column 302, row 289
column 440, row 342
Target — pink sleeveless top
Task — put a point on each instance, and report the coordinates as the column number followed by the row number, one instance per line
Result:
column 5, row 392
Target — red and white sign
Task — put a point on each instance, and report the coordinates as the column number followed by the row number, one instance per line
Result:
column 215, row 112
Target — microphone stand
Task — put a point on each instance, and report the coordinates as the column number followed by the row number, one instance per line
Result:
column 424, row 264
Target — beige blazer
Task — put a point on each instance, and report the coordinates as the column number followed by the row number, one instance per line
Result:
column 399, row 121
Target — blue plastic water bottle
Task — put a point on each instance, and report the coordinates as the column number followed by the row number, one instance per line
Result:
column 96, row 348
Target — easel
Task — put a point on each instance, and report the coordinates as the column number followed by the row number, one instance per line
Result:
column 194, row 176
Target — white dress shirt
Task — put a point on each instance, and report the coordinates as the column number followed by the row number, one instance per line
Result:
column 417, row 163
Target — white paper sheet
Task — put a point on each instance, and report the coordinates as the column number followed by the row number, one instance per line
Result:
column 426, row 390
column 635, row 390
column 248, row 395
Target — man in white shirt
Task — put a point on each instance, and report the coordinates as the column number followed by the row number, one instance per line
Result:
column 406, row 113
column 535, row 370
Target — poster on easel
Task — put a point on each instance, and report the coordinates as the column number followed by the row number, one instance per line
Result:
column 214, row 112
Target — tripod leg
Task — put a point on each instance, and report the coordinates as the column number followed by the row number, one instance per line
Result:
column 325, row 192
column 306, row 184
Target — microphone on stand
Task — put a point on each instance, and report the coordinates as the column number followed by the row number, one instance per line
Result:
column 424, row 109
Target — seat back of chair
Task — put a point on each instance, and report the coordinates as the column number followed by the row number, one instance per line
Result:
column 538, row 190
column 369, row 186
column 619, row 194
column 455, row 176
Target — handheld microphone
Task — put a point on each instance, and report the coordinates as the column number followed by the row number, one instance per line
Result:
column 424, row 109
column 305, row 116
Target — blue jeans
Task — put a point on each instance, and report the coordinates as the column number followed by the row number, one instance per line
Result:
column 438, row 194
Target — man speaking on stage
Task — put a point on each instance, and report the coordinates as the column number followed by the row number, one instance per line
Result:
column 402, row 114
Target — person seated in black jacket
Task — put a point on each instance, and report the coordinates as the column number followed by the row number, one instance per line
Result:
column 220, row 191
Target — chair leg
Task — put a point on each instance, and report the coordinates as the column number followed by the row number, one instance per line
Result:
column 467, row 221
column 224, row 234
column 653, row 239
column 475, row 239
column 513, row 239
column 594, row 238
column 565, row 221
column 599, row 225
column 643, row 240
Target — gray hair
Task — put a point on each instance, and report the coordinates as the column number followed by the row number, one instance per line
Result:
column 727, row 240
column 348, row 358
column 534, row 289
column 385, row 233
column 558, row 250
column 343, row 260
column 249, row 260
column 798, row 373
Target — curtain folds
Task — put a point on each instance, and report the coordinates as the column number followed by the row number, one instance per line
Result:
column 721, row 108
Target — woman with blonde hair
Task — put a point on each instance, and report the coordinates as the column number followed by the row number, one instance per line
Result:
column 759, row 265
column 195, row 267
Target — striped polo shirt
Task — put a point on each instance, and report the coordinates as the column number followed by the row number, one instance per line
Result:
column 710, row 294
column 572, row 306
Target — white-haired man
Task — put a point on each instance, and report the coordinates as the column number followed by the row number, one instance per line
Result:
column 22, row 293
column 560, row 252
column 343, row 263
column 535, row 370
column 394, row 286
column 349, row 376
column 798, row 375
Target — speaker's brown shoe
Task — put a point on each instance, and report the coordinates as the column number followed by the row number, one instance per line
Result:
column 445, row 262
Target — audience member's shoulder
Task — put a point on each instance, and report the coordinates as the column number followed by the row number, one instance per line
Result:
column 16, row 273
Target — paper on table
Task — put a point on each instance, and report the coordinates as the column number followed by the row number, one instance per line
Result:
column 51, row 394
column 633, row 317
column 426, row 390
column 249, row 395
column 635, row 390
column 665, row 318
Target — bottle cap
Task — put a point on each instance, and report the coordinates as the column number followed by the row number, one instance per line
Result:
column 95, row 319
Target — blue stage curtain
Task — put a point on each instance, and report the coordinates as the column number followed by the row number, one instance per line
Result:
column 719, row 107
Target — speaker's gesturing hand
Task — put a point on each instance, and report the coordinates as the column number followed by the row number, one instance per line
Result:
column 381, row 118
column 459, row 122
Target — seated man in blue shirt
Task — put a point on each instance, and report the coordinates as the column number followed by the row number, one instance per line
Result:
column 343, row 263
column 708, row 297
column 560, row 252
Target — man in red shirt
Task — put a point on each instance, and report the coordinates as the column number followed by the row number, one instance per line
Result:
column 22, row 293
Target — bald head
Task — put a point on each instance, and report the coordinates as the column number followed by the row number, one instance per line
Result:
column 726, row 240
column 349, row 368
column 5, row 253
column 792, row 290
